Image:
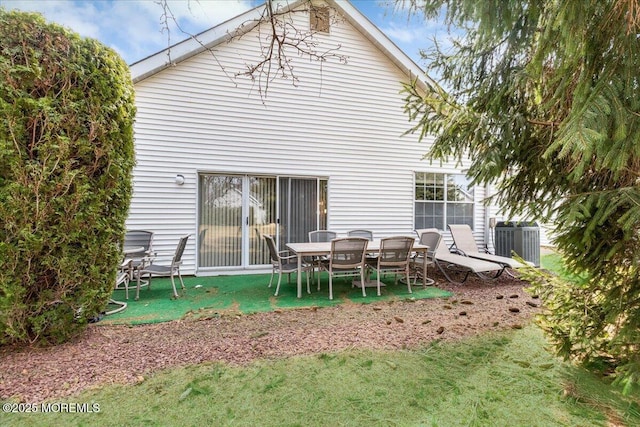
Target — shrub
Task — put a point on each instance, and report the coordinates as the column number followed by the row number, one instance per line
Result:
column 66, row 156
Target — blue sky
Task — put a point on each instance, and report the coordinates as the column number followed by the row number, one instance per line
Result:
column 133, row 27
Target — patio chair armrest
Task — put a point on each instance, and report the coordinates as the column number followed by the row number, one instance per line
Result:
column 283, row 253
column 147, row 260
column 165, row 257
column 288, row 256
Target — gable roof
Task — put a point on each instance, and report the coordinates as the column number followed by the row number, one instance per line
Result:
column 241, row 24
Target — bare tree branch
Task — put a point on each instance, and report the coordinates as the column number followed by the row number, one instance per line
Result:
column 165, row 20
column 280, row 42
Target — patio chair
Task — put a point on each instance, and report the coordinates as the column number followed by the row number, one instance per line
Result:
column 394, row 257
column 465, row 244
column 171, row 270
column 124, row 276
column 448, row 262
column 139, row 260
column 347, row 258
column 367, row 234
column 282, row 262
column 126, row 269
column 320, row 236
column 428, row 237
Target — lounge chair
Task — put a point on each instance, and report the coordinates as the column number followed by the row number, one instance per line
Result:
column 448, row 262
column 465, row 244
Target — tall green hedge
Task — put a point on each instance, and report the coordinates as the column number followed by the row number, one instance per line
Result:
column 66, row 156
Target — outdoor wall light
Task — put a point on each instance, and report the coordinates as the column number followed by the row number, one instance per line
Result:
column 179, row 179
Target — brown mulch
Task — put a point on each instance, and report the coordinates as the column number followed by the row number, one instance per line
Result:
column 122, row 354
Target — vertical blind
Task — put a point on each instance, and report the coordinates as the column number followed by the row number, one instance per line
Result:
column 236, row 211
column 262, row 217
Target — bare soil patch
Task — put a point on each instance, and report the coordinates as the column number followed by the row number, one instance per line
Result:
column 123, row 354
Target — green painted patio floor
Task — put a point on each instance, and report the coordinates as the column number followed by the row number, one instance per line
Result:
column 246, row 294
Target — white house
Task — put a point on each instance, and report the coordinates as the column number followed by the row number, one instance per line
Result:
column 327, row 151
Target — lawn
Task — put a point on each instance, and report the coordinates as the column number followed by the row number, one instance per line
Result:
column 503, row 378
column 500, row 379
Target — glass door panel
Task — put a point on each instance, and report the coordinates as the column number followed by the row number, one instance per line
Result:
column 302, row 208
column 262, row 217
column 220, row 228
column 322, row 204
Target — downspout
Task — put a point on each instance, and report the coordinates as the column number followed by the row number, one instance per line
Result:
column 487, row 215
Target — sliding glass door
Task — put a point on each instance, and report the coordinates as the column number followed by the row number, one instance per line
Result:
column 236, row 210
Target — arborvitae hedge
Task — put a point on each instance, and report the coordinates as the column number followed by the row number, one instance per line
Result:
column 66, row 156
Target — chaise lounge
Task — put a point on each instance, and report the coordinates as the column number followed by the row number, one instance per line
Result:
column 465, row 244
column 449, row 262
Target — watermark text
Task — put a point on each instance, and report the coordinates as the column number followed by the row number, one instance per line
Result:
column 51, row 407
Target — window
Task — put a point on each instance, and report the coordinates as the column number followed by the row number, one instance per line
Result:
column 319, row 19
column 442, row 199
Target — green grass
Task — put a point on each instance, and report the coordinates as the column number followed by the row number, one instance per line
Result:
column 499, row 379
column 552, row 262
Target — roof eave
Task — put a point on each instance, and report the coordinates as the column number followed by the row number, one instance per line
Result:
column 397, row 56
column 199, row 43
column 241, row 24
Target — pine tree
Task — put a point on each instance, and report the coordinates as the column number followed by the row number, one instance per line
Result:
column 544, row 98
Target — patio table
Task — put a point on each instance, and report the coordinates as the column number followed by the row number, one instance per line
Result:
column 307, row 249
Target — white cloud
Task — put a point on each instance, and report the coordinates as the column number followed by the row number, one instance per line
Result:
column 404, row 34
column 133, row 27
column 81, row 17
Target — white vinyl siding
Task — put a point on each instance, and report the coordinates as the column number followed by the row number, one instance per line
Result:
column 341, row 120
